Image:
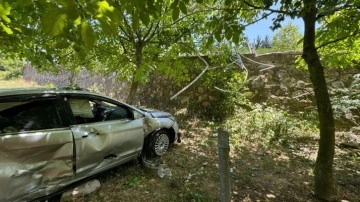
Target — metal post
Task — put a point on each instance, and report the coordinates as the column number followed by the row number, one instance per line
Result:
column 224, row 169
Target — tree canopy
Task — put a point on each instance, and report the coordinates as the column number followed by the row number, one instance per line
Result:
column 287, row 38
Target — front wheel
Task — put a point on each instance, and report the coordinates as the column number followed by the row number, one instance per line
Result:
column 159, row 143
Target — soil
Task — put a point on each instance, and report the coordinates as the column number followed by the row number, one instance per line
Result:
column 257, row 173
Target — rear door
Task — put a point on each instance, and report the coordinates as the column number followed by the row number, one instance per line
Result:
column 36, row 150
column 105, row 134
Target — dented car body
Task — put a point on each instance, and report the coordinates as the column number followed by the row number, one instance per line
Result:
column 51, row 138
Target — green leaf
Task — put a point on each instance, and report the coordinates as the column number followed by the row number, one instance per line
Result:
column 175, row 13
column 107, row 27
column 54, row 22
column 236, row 37
column 62, row 44
column 210, row 41
column 144, row 18
column 174, row 4
column 5, row 11
column 217, row 35
column 104, row 7
column 6, row 29
column 182, row 7
column 77, row 21
column 135, row 21
column 228, row 33
column 87, row 35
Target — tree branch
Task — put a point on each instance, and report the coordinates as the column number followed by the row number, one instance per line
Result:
column 257, row 20
column 193, row 81
column 270, row 9
column 153, row 33
column 129, row 34
column 148, row 31
column 337, row 40
column 129, row 37
column 334, row 10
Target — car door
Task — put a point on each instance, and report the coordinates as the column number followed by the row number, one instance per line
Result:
column 105, row 134
column 36, row 150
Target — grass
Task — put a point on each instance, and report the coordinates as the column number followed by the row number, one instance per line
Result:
column 17, row 82
column 275, row 172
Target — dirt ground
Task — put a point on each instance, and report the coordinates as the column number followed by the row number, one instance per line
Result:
column 257, row 174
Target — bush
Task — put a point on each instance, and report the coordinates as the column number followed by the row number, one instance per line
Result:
column 13, row 74
column 220, row 89
column 268, row 126
column 14, row 68
column 346, row 104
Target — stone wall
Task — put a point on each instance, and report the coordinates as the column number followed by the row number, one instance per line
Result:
column 281, row 84
column 107, row 84
column 287, row 86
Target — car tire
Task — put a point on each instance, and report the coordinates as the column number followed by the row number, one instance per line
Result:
column 159, row 143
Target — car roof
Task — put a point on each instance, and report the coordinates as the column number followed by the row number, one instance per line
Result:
column 32, row 91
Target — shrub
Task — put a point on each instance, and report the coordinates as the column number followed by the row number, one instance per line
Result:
column 268, row 126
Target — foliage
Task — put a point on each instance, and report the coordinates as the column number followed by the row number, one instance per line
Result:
column 346, row 104
column 103, row 36
column 135, row 181
column 268, row 127
column 338, row 39
column 287, row 38
column 193, row 195
column 223, row 82
column 13, row 68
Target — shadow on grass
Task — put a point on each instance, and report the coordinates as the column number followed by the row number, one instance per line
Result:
column 274, row 173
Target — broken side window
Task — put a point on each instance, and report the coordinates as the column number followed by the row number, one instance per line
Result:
column 29, row 116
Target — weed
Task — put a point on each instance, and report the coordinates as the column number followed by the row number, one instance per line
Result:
column 135, row 181
column 193, row 196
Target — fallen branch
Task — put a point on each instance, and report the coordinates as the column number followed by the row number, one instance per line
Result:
column 241, row 65
column 192, row 82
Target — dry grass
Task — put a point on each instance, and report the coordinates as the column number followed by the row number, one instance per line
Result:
column 16, row 83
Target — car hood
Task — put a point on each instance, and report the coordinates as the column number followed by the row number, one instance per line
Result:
column 157, row 113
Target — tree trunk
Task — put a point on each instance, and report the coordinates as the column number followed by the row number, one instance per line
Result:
column 132, row 92
column 134, row 81
column 324, row 185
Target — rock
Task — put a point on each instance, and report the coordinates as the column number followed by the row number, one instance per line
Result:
column 82, row 190
column 338, row 84
column 259, row 82
column 301, row 84
column 355, row 130
column 163, row 172
column 351, row 137
column 352, row 145
column 270, row 196
column 205, row 104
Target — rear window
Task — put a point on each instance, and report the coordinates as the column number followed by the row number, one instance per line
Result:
column 28, row 116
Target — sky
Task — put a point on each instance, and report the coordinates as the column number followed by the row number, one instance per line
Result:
column 262, row 28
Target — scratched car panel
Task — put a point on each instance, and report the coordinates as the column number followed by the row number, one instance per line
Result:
column 50, row 139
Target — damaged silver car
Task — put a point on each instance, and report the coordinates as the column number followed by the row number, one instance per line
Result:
column 53, row 138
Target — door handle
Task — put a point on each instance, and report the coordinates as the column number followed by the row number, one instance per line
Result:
column 89, row 133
